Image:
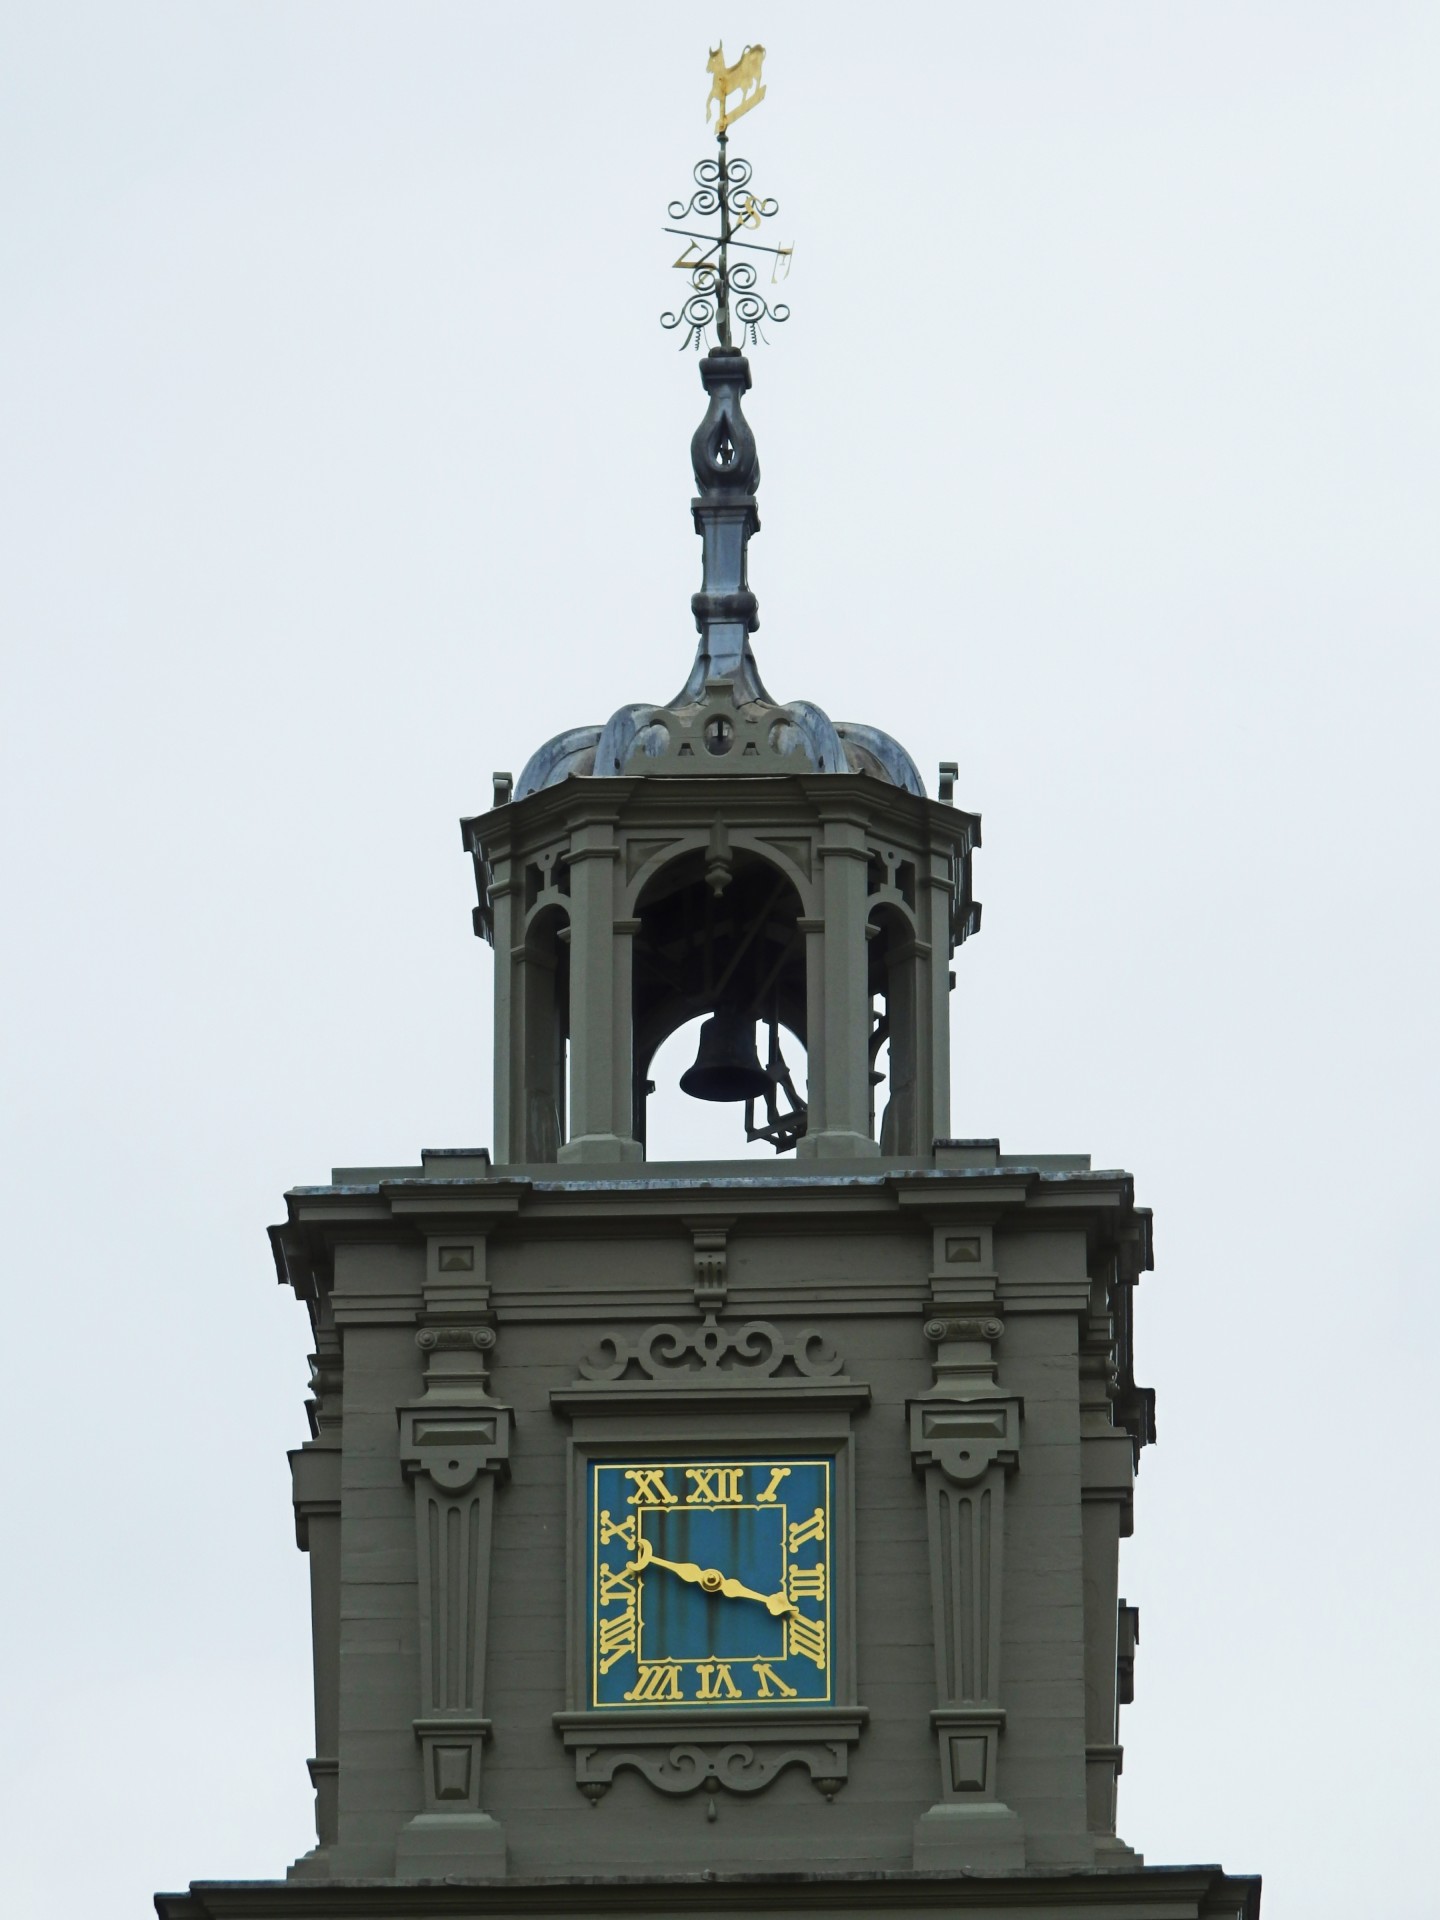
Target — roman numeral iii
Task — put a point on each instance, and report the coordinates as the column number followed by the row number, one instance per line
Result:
column 805, row 1583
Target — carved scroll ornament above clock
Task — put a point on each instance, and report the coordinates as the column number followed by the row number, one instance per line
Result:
column 754, row 1349
column 708, row 1361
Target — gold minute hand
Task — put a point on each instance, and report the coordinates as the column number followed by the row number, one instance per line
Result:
column 709, row 1580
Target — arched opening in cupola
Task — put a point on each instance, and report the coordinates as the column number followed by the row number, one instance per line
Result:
column 545, row 1032
column 893, row 965
column 719, row 942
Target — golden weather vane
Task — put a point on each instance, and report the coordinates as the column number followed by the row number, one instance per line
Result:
column 743, row 78
column 722, row 290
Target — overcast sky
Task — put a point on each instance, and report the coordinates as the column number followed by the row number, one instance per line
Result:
column 344, row 461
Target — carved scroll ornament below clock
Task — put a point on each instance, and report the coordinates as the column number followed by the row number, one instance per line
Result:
column 737, row 1766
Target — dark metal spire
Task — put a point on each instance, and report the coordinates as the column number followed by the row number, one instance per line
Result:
column 722, row 719
column 727, row 473
column 727, row 469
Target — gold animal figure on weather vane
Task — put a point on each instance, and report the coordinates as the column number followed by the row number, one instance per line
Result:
column 743, row 78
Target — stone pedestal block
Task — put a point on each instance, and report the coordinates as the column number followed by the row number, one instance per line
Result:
column 439, row 1846
column 969, row 1839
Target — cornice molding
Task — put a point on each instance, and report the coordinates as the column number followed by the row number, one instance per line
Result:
column 1187, row 1893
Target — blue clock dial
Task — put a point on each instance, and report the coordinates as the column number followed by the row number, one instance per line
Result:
column 710, row 1582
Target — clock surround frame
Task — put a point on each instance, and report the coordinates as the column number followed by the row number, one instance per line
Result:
column 740, row 1747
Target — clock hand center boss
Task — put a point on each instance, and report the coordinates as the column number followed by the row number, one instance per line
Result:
column 709, row 1579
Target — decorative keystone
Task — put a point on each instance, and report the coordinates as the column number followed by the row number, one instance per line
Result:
column 711, row 1285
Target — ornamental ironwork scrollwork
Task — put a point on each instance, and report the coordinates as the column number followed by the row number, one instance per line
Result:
column 724, row 292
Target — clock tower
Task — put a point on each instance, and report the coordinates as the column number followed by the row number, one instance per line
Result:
column 721, row 1537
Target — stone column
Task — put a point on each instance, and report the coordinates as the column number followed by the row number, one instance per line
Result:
column 540, row 1051
column 842, row 1042
column 507, row 938
column 622, row 1085
column 907, row 1127
column 454, row 1446
column 964, row 1438
column 812, row 930
column 938, row 887
column 601, row 1017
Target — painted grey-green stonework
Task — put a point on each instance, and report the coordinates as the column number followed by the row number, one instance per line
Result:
column 970, row 1306
column 466, row 1319
column 948, row 1325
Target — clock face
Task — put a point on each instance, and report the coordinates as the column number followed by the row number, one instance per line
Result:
column 709, row 1582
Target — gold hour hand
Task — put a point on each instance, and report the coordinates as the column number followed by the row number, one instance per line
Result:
column 708, row 1579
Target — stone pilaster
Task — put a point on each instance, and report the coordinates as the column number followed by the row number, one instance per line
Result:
column 454, row 1446
column 964, row 1439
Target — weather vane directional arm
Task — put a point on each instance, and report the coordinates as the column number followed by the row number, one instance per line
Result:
column 723, row 292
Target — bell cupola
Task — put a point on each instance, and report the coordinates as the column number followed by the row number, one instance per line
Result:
column 728, row 856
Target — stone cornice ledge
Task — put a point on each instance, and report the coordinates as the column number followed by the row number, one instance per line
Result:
column 1180, row 1893
column 740, row 1396
column 506, row 1192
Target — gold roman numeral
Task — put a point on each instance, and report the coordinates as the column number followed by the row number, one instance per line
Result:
column 716, row 1682
column 770, row 1682
column 808, row 1637
column 777, row 1474
column 811, row 1529
column 617, row 1584
column 714, row 1485
column 650, row 1488
column 656, row 1683
column 618, row 1529
column 804, row 1583
column 617, row 1638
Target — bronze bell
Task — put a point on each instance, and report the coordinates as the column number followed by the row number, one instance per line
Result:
column 727, row 1066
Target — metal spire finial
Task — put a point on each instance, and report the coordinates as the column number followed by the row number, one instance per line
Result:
column 722, row 719
column 723, row 292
